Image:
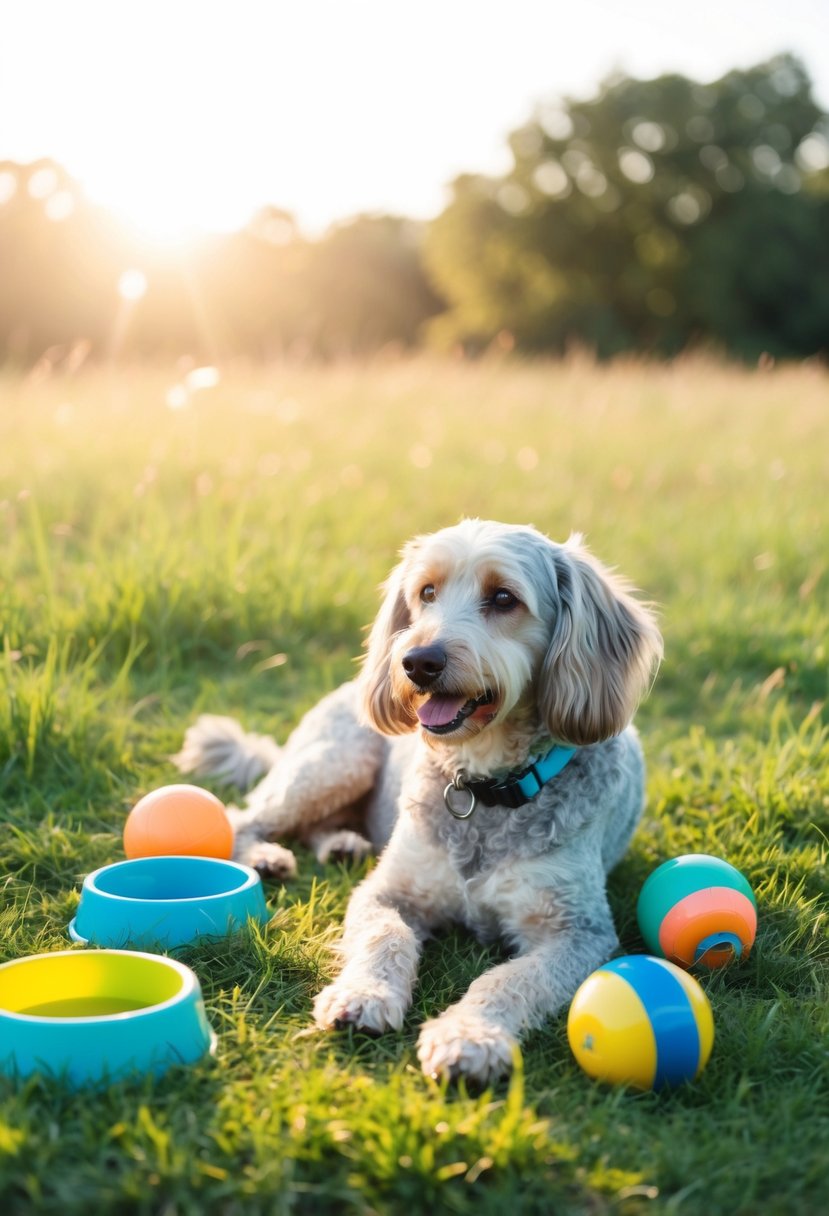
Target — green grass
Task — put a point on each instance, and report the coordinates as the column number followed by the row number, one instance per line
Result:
column 224, row 557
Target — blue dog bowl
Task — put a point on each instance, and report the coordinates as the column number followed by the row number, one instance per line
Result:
column 88, row 1016
column 166, row 902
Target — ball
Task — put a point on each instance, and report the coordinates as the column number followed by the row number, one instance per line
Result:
column 178, row 820
column 641, row 1021
column 697, row 910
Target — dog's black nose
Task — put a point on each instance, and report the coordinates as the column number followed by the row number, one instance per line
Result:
column 424, row 664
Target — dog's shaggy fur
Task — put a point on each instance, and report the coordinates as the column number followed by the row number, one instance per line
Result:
column 491, row 644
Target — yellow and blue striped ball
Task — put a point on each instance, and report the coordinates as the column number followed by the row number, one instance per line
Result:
column 641, row 1021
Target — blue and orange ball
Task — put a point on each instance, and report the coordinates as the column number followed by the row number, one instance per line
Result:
column 641, row 1021
column 697, row 910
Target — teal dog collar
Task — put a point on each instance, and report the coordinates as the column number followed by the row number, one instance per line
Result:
column 514, row 790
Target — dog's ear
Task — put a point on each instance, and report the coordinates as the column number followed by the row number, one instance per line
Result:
column 604, row 650
column 379, row 708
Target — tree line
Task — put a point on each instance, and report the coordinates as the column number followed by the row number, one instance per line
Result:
column 652, row 216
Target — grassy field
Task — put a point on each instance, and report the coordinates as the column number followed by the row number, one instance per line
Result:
column 223, row 555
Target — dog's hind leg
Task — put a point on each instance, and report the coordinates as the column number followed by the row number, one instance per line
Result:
column 329, row 762
column 342, row 844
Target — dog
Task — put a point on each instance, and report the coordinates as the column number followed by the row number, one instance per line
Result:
column 486, row 751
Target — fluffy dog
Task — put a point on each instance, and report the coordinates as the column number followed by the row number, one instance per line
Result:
column 486, row 749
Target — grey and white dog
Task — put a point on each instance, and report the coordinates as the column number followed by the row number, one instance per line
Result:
column 486, row 750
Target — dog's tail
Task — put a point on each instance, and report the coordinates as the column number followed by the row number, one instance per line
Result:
column 219, row 747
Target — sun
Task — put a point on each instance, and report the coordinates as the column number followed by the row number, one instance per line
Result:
column 166, row 205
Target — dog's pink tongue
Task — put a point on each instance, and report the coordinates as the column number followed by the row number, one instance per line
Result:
column 437, row 711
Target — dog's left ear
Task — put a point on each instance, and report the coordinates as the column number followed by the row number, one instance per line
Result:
column 378, row 705
column 604, row 650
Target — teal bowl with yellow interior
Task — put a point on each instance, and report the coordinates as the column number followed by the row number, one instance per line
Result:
column 92, row 1016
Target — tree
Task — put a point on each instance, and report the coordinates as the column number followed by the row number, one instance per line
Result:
column 656, row 213
column 366, row 287
column 265, row 291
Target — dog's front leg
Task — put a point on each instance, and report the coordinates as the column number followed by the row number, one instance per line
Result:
column 477, row 1037
column 389, row 917
column 381, row 948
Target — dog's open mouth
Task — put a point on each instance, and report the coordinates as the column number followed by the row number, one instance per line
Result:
column 443, row 714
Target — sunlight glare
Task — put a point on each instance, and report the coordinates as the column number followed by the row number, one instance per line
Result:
column 812, row 153
column 42, row 183
column 176, row 397
column 59, row 206
column 170, row 199
column 132, row 285
column 8, row 186
column 636, row 166
column 201, row 378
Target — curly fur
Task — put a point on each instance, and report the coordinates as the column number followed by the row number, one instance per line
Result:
column 540, row 643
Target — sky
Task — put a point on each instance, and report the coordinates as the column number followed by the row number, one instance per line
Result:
column 185, row 116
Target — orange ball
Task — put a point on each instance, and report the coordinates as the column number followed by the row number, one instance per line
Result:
column 178, row 819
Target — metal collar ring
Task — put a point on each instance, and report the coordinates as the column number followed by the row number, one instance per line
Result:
column 459, row 785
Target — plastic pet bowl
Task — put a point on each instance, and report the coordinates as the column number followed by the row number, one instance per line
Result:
column 166, row 902
column 99, row 1015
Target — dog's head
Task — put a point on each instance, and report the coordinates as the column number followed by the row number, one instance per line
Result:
column 484, row 620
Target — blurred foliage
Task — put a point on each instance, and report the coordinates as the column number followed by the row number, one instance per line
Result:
column 653, row 216
column 265, row 291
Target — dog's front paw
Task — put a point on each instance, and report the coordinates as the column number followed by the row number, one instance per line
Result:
column 371, row 1007
column 465, row 1044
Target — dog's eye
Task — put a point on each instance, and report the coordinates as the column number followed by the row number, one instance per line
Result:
column 428, row 595
column 503, row 600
